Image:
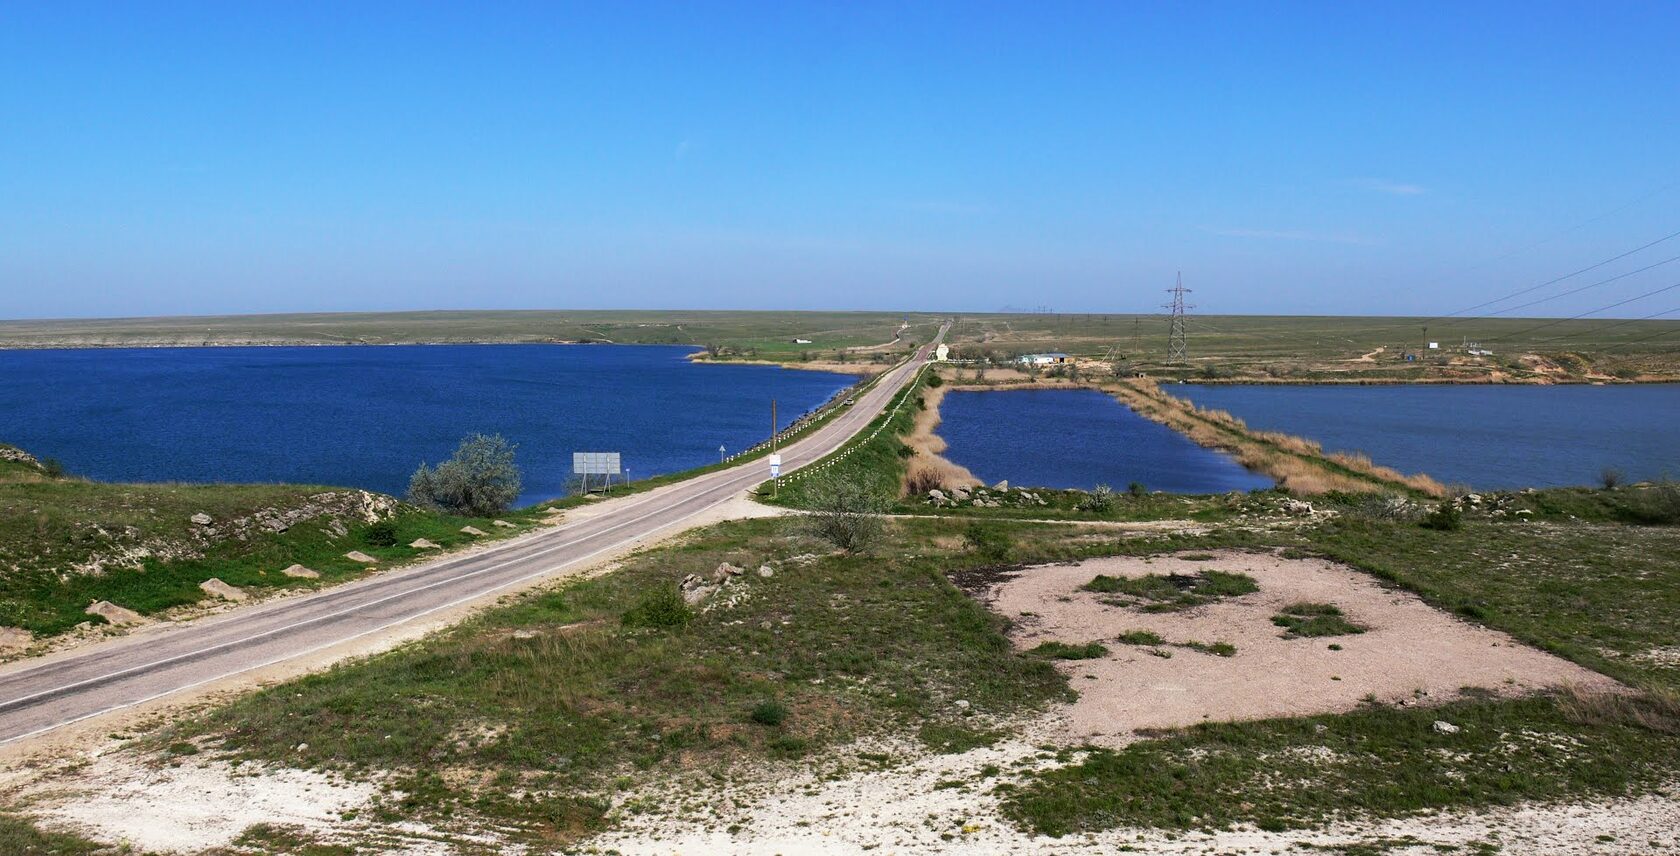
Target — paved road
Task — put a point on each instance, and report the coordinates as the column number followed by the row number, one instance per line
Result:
column 145, row 668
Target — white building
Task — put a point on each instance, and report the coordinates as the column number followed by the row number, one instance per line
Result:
column 1050, row 359
column 942, row 353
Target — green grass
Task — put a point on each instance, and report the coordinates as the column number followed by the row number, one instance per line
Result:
column 769, row 335
column 50, row 527
column 19, row 836
column 1173, row 592
column 1381, row 762
column 1064, row 651
column 1313, row 620
column 875, row 458
column 1140, row 637
column 1603, row 595
column 557, row 693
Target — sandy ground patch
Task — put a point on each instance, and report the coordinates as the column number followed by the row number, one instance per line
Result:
column 1409, row 651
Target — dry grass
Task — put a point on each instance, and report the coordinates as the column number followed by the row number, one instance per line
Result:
column 1297, row 463
column 926, row 469
column 1653, row 709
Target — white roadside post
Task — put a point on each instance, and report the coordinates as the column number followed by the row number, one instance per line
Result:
column 776, row 473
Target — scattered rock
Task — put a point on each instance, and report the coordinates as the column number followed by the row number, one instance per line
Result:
column 695, row 589
column 803, row 559
column 112, row 613
column 1444, row 727
column 1002, row 485
column 300, row 572
column 215, row 586
column 1320, row 728
column 1296, row 506
column 959, row 494
column 300, row 747
column 200, row 519
column 766, row 571
column 474, row 531
column 359, row 556
column 725, row 571
column 961, row 704
column 422, row 544
column 336, row 527
column 502, row 523
column 937, row 495
column 13, row 639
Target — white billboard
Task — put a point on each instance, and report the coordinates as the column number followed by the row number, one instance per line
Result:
column 595, row 463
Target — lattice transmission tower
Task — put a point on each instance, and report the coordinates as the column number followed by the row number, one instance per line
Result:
column 1175, row 339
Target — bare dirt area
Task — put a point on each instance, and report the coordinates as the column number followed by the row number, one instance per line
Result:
column 918, row 802
column 1408, row 651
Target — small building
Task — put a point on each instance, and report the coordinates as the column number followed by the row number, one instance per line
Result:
column 1051, row 359
column 802, row 341
column 942, row 353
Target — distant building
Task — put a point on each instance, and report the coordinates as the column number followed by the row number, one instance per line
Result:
column 942, row 353
column 1042, row 359
column 802, row 341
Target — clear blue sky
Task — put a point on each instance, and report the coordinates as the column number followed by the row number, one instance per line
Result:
column 160, row 158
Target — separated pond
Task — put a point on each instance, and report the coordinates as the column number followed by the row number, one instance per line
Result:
column 367, row 416
column 1078, row 438
column 1489, row 437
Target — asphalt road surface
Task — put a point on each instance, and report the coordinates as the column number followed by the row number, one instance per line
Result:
column 152, row 666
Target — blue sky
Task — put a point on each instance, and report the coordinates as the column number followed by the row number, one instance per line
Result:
column 1338, row 158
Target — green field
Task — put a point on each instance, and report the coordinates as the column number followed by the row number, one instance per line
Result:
column 769, row 335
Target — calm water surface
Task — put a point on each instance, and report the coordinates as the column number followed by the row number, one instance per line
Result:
column 366, row 416
column 1490, row 437
column 1079, row 438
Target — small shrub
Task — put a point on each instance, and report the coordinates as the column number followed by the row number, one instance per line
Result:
column 846, row 513
column 52, row 468
column 1137, row 489
column 663, row 607
column 989, row 541
column 769, row 712
column 1140, row 637
column 1445, row 518
column 1610, row 477
column 1101, row 498
column 1225, row 584
column 934, row 381
column 1217, row 649
column 1064, row 651
column 381, row 534
column 1389, row 507
column 479, row 480
column 1314, row 619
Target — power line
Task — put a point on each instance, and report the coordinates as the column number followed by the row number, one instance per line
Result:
column 1520, row 292
column 1582, row 288
column 1585, row 314
column 1620, row 323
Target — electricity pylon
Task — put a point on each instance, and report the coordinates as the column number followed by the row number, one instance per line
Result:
column 1175, row 339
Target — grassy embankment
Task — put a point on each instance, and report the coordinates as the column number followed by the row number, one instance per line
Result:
column 1334, row 349
column 66, row 542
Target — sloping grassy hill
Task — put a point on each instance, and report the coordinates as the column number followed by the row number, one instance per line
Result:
column 67, row 542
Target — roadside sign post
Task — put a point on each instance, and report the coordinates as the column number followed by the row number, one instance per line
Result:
column 605, row 464
column 776, row 473
column 775, row 459
column 720, row 453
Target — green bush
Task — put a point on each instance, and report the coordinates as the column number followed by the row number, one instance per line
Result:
column 769, row 712
column 381, row 534
column 1064, row 651
column 1445, row 518
column 663, row 607
column 479, row 480
column 989, row 541
column 1101, row 498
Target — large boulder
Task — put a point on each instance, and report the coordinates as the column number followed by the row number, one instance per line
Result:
column 300, row 572
column 217, row 588
column 200, row 519
column 359, row 556
column 112, row 613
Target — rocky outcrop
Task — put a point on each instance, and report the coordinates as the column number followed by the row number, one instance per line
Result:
column 217, row 588
column 359, row 556
column 113, row 614
column 474, row 531
column 423, row 544
column 300, row 572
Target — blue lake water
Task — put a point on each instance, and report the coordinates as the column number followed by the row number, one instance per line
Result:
column 1490, row 437
column 1079, row 438
column 367, row 416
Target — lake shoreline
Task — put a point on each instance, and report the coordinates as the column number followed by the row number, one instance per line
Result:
column 1296, row 463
